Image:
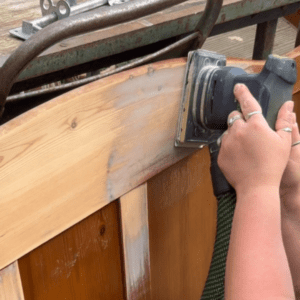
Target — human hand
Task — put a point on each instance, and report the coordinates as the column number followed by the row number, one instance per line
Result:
column 252, row 154
column 290, row 182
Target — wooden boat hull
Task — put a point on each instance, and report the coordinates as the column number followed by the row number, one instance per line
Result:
column 80, row 174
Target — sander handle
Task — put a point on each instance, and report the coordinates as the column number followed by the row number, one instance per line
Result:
column 278, row 78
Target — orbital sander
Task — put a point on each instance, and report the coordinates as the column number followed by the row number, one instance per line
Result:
column 206, row 102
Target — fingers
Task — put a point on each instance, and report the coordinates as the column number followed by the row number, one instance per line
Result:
column 285, row 120
column 235, row 117
column 295, row 134
column 247, row 102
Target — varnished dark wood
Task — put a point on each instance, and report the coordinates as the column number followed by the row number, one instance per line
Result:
column 82, row 263
column 182, row 226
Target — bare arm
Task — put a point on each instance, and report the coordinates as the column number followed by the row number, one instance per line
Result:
column 253, row 158
column 257, row 266
column 291, row 238
column 290, row 209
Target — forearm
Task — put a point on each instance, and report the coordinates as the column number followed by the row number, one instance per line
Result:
column 257, row 266
column 290, row 216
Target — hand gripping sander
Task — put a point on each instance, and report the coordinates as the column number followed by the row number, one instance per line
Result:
column 207, row 101
column 208, row 94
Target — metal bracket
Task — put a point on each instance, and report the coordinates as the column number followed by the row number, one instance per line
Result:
column 52, row 13
column 62, row 9
column 114, row 2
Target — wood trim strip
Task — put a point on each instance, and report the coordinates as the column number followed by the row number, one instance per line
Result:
column 135, row 234
column 10, row 283
column 69, row 157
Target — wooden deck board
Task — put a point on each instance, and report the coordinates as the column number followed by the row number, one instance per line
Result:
column 239, row 43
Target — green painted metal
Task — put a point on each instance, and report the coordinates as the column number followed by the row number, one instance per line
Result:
column 172, row 22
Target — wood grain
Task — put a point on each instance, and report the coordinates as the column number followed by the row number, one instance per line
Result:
column 67, row 158
column 82, row 263
column 182, row 227
column 10, row 283
column 135, row 233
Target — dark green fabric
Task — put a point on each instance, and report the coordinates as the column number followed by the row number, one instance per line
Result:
column 214, row 286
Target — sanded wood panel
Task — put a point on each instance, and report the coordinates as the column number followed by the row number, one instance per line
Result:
column 182, row 227
column 10, row 283
column 73, row 155
column 135, row 233
column 82, row 263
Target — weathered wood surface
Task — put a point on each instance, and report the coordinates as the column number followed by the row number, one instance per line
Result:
column 68, row 158
column 182, row 227
column 10, row 283
column 64, row 160
column 82, row 263
column 135, row 237
column 239, row 43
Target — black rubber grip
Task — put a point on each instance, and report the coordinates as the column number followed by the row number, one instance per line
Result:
column 220, row 184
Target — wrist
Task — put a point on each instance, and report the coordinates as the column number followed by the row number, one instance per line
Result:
column 257, row 190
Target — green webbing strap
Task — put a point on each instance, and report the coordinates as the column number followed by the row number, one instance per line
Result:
column 214, row 286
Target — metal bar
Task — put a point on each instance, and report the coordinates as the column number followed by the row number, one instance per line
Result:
column 104, row 74
column 118, row 39
column 204, row 28
column 208, row 21
column 85, row 6
column 65, row 28
column 264, row 40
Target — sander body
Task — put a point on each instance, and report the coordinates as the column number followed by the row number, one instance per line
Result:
column 208, row 97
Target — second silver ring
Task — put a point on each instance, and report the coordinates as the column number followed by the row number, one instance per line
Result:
column 233, row 119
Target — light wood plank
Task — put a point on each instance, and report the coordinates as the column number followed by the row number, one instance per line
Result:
column 67, row 158
column 135, row 233
column 10, row 283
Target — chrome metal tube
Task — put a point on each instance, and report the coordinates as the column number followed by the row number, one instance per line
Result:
column 86, row 6
column 74, row 10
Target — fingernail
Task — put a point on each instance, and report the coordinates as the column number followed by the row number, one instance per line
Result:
column 290, row 106
column 237, row 87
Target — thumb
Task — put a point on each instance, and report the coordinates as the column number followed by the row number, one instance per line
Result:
column 285, row 121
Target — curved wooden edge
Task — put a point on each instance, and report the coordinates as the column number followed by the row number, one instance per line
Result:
column 67, row 158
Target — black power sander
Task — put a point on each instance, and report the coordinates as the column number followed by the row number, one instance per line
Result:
column 207, row 101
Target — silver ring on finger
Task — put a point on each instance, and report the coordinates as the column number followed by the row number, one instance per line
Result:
column 248, row 116
column 219, row 140
column 233, row 119
column 296, row 143
column 287, row 129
